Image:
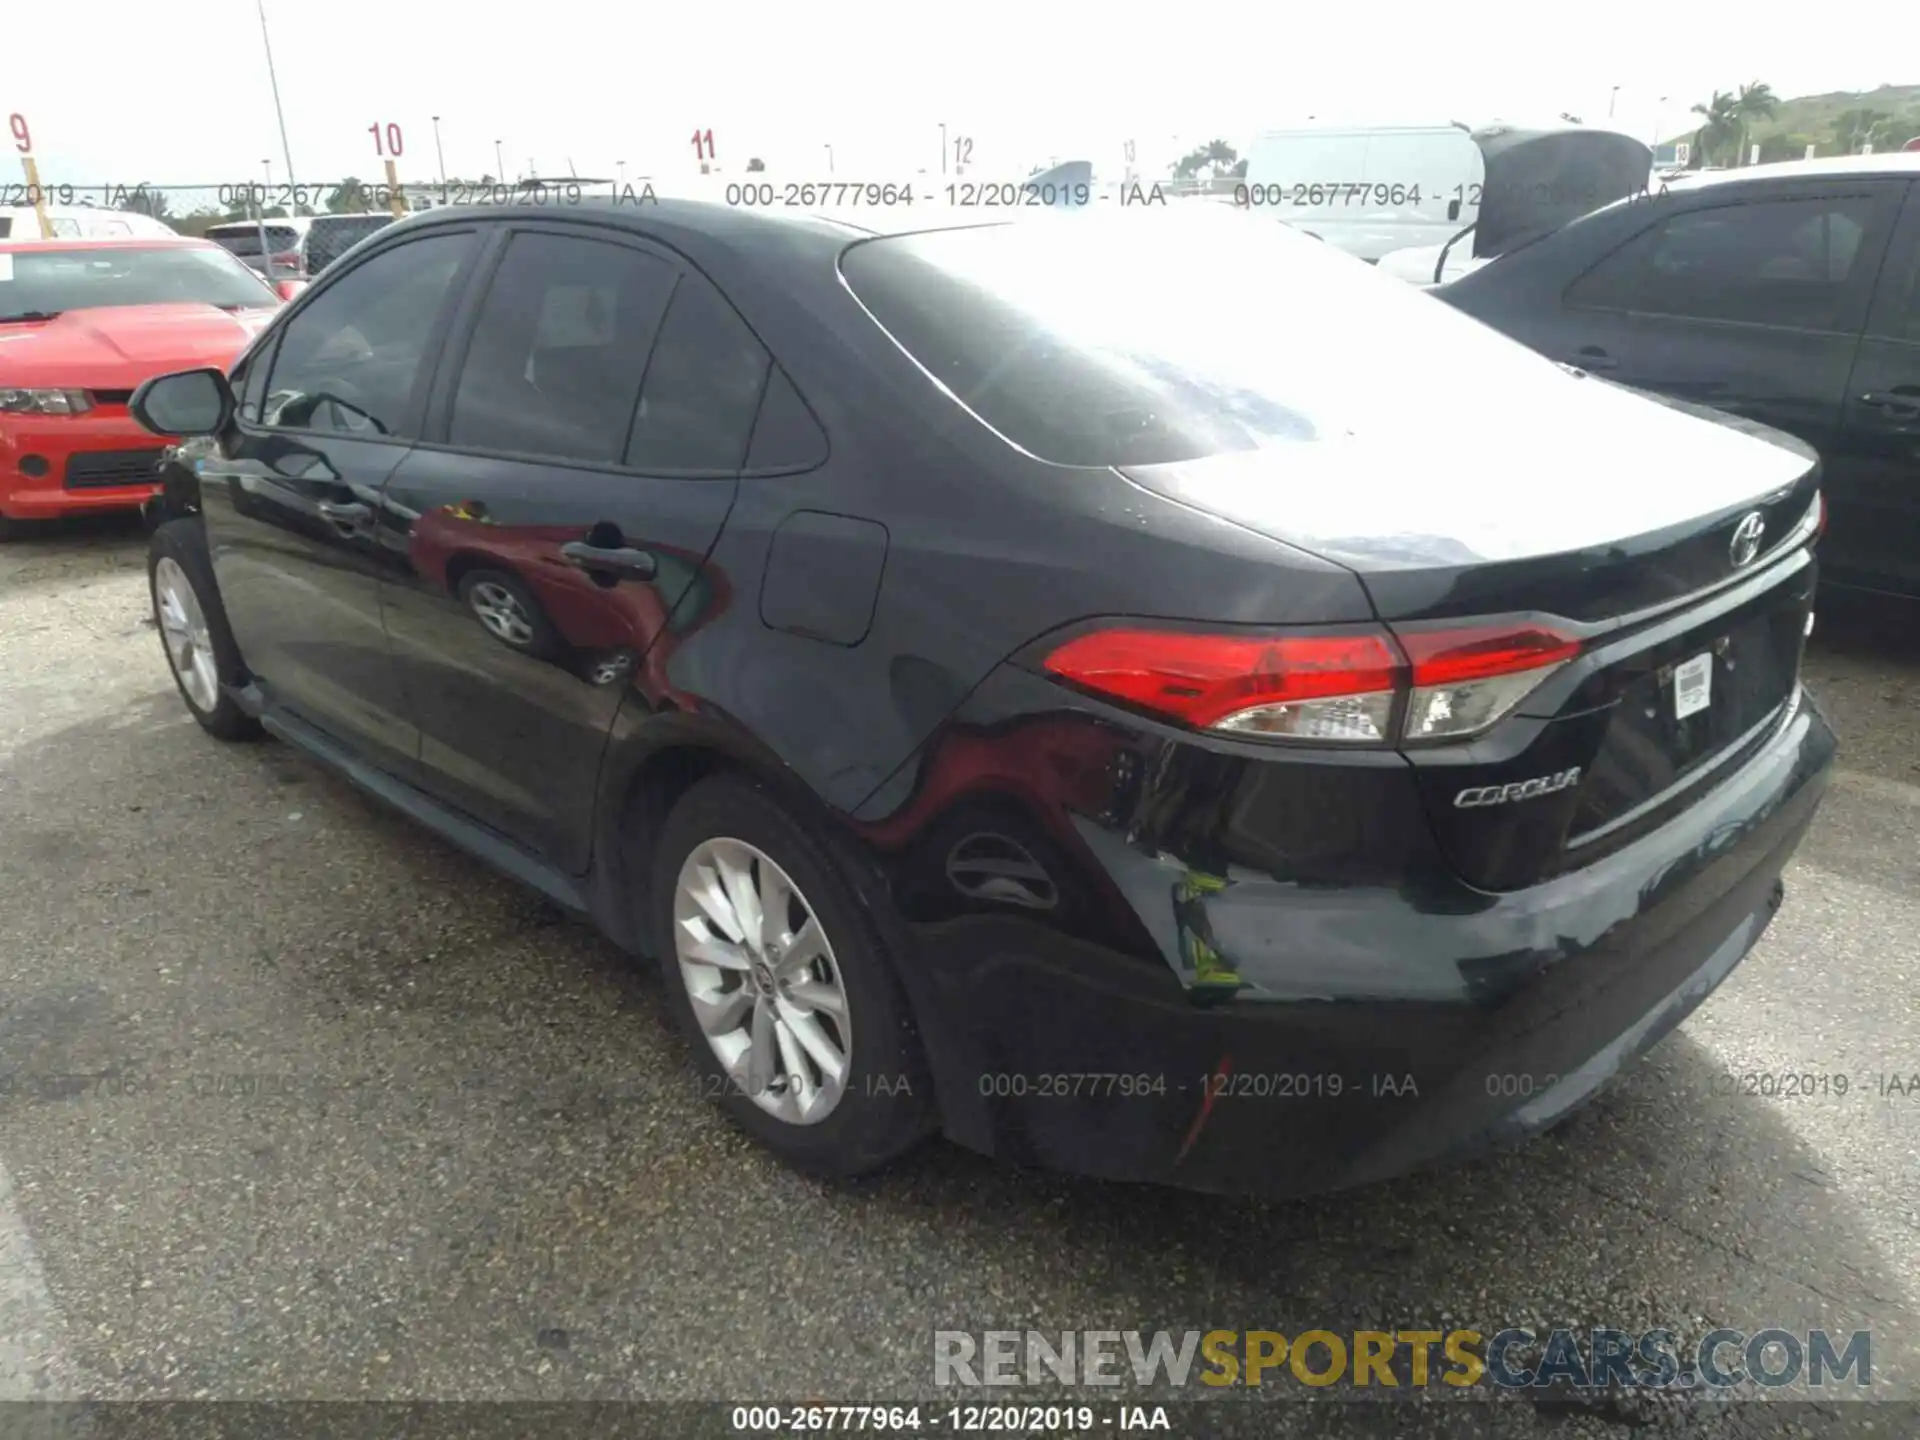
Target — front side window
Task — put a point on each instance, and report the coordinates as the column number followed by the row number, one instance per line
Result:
column 48, row 280
column 350, row 360
column 560, row 348
column 1768, row 262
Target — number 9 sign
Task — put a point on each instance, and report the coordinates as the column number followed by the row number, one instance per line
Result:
column 22, row 137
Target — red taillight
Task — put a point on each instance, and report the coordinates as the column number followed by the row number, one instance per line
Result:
column 1328, row 687
column 1202, row 679
column 1452, row 657
column 1287, row 685
column 1466, row 679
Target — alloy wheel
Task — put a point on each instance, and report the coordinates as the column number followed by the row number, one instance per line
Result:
column 183, row 626
column 500, row 610
column 764, row 983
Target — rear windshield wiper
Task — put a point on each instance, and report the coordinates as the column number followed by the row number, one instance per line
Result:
column 31, row 315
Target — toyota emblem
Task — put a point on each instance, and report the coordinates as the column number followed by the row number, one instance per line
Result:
column 1746, row 538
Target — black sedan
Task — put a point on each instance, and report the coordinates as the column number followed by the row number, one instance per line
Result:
column 1786, row 294
column 1010, row 693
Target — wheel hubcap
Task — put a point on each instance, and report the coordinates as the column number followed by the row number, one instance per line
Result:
column 183, row 626
column 763, row 980
column 501, row 613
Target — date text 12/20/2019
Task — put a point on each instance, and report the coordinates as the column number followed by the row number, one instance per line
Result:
column 954, row 1419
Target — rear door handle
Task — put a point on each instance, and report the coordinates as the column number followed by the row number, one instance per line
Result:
column 1592, row 357
column 1902, row 401
column 351, row 513
column 627, row 563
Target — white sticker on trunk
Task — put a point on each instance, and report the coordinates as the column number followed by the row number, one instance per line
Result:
column 1693, row 685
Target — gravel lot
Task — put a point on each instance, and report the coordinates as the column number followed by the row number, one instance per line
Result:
column 368, row 1122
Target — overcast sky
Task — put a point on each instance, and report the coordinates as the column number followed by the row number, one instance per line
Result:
column 124, row 92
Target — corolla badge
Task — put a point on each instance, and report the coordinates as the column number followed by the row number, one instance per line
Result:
column 1746, row 538
column 1518, row 790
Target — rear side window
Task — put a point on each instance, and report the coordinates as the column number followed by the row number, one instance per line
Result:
column 702, row 389
column 1768, row 262
column 785, row 434
column 559, row 349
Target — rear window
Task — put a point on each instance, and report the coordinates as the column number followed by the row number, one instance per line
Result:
column 246, row 240
column 1093, row 341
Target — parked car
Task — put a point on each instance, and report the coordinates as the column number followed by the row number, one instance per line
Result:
column 1098, row 734
column 1402, row 195
column 328, row 237
column 297, row 248
column 82, row 323
column 79, row 222
column 1537, row 180
column 1786, row 294
column 276, row 256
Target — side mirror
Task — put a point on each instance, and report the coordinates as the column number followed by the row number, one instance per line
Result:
column 287, row 289
column 190, row 402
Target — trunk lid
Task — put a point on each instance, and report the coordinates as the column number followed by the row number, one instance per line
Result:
column 1608, row 515
column 1571, row 495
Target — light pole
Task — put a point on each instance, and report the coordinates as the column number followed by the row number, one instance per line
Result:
column 273, row 80
column 260, row 220
column 1659, row 114
column 829, row 159
column 1610, row 101
column 943, row 147
column 441, row 156
column 499, row 164
column 623, row 173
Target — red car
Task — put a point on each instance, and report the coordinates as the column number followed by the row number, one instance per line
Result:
column 82, row 322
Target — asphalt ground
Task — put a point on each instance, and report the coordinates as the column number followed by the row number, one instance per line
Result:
column 303, row 1104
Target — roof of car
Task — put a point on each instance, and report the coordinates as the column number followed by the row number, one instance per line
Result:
column 114, row 242
column 732, row 225
column 1906, row 166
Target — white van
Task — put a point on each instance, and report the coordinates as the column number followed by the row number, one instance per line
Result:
column 78, row 222
column 1439, row 197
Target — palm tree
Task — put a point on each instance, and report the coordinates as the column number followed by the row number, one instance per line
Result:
column 1722, row 117
column 1754, row 102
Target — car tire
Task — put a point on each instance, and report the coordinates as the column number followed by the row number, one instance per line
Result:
column 505, row 608
column 884, row 1105
column 193, row 629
